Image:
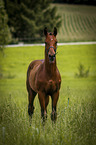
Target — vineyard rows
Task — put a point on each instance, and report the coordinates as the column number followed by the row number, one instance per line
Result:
column 77, row 26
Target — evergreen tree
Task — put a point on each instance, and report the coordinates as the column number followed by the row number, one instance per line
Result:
column 27, row 18
column 5, row 35
column 88, row 2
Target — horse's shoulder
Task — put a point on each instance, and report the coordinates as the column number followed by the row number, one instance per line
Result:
column 58, row 73
column 35, row 62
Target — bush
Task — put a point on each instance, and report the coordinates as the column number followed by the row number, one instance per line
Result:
column 82, row 72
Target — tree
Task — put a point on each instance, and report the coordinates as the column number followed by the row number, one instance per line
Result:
column 5, row 35
column 88, row 2
column 27, row 18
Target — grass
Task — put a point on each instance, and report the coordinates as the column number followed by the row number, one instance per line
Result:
column 75, row 123
column 78, row 22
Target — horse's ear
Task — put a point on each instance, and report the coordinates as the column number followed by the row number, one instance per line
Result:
column 55, row 31
column 45, row 31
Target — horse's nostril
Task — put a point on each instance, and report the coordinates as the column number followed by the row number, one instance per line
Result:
column 51, row 57
column 54, row 55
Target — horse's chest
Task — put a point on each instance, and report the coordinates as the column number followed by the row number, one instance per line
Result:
column 51, row 86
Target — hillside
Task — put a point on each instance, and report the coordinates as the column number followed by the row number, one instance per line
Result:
column 78, row 23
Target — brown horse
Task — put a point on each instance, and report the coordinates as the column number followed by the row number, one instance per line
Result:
column 44, row 78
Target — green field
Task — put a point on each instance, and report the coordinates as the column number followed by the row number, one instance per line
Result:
column 78, row 23
column 76, row 123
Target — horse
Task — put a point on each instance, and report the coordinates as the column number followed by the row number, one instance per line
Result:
column 43, row 78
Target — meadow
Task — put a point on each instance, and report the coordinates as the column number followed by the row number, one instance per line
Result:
column 76, row 121
column 78, row 22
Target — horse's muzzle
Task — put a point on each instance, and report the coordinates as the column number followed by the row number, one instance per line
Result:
column 51, row 58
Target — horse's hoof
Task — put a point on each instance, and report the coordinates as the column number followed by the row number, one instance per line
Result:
column 30, row 110
column 53, row 116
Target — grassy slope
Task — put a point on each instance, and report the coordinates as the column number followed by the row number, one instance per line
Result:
column 75, row 125
column 78, row 23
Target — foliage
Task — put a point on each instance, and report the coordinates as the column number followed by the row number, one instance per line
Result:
column 88, row 2
column 5, row 35
column 82, row 72
column 75, row 125
column 27, row 19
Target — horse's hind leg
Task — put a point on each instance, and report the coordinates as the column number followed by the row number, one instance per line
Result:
column 31, row 97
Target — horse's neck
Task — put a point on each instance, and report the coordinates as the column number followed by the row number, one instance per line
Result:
column 50, row 68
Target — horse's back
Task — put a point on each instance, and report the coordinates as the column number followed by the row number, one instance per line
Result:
column 31, row 73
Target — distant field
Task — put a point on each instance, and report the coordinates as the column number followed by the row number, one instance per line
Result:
column 78, row 23
column 75, row 125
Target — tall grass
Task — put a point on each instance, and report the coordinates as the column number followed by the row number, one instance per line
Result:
column 75, row 125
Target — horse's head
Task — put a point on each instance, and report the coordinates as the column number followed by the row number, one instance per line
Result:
column 50, row 44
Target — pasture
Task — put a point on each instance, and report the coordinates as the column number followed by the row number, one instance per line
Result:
column 78, row 23
column 76, row 122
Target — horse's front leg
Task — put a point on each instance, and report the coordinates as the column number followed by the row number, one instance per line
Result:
column 41, row 96
column 46, row 103
column 54, row 97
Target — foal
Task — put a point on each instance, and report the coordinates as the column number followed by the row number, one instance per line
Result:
column 44, row 78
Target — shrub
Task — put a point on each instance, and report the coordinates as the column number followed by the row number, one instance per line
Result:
column 82, row 72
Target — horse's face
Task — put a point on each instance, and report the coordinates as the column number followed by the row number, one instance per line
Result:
column 51, row 44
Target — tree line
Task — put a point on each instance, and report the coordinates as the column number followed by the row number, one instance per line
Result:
column 85, row 2
column 24, row 20
column 27, row 18
column 5, row 35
